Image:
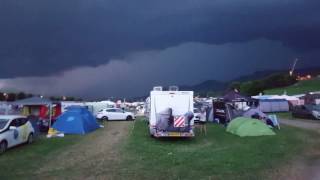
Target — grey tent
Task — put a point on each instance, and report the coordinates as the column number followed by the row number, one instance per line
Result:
column 253, row 111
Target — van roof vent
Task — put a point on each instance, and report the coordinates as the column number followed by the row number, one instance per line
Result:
column 173, row 88
column 157, row 88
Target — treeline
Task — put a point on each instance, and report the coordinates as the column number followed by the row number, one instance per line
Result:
column 251, row 88
column 10, row 96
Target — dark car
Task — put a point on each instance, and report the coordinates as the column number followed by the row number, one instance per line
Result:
column 306, row 112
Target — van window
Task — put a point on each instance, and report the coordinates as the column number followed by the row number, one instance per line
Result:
column 14, row 123
column 119, row 110
column 23, row 121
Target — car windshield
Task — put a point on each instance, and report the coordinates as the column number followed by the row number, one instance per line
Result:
column 196, row 111
column 317, row 107
column 3, row 123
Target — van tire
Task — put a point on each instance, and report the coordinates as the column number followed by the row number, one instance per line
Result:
column 129, row 118
column 3, row 146
column 105, row 118
column 30, row 138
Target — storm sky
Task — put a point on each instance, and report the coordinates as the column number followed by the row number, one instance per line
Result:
column 103, row 48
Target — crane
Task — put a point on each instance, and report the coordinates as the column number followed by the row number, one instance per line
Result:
column 293, row 67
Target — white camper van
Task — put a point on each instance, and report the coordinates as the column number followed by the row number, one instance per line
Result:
column 171, row 113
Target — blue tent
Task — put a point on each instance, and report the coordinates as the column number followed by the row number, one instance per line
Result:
column 76, row 120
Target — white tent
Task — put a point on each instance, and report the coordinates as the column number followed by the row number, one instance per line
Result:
column 97, row 106
column 272, row 103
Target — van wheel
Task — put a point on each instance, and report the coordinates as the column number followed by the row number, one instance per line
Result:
column 129, row 118
column 3, row 147
column 30, row 138
column 105, row 118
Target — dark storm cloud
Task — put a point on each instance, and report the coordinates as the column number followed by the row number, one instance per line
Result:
column 188, row 63
column 41, row 37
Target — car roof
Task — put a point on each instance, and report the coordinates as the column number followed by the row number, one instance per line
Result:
column 10, row 117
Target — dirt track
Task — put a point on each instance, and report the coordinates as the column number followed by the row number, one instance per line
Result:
column 96, row 157
column 313, row 125
column 307, row 166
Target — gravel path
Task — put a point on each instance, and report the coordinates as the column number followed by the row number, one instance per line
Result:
column 97, row 156
column 305, row 124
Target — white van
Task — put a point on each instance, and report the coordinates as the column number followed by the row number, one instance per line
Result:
column 167, row 108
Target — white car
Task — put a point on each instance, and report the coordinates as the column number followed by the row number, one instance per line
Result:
column 14, row 130
column 197, row 115
column 115, row 114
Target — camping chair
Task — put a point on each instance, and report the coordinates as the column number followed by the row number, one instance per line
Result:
column 274, row 120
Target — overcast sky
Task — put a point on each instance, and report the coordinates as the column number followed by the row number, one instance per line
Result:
column 103, row 48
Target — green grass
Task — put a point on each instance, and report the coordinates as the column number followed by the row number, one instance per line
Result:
column 24, row 160
column 298, row 88
column 218, row 155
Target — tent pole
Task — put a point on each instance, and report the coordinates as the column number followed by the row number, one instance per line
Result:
column 50, row 115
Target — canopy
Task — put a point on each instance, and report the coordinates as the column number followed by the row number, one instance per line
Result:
column 234, row 96
column 248, row 127
column 283, row 97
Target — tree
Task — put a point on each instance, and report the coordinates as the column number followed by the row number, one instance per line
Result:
column 70, row 99
column 21, row 95
column 11, row 97
column 29, row 95
column 234, row 85
column 2, row 96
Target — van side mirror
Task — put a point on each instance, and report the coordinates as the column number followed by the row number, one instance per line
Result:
column 12, row 128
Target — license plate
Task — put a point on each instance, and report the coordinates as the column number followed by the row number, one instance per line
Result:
column 174, row 134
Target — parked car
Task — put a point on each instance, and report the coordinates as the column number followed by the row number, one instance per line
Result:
column 306, row 112
column 115, row 114
column 14, row 130
column 197, row 115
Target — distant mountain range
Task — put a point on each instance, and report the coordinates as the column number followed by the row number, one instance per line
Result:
column 220, row 86
column 214, row 85
column 209, row 85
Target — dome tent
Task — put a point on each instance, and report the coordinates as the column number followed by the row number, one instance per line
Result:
column 76, row 120
column 248, row 127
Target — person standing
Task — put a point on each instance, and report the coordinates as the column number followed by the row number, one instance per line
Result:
column 203, row 120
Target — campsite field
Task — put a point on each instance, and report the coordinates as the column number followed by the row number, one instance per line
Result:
column 24, row 160
column 218, row 155
column 124, row 150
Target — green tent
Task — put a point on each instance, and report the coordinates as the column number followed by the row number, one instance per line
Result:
column 248, row 127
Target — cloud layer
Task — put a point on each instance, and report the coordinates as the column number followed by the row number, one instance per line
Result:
column 184, row 64
column 43, row 38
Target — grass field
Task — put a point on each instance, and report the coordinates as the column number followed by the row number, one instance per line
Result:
column 218, row 155
column 24, row 160
column 298, row 88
